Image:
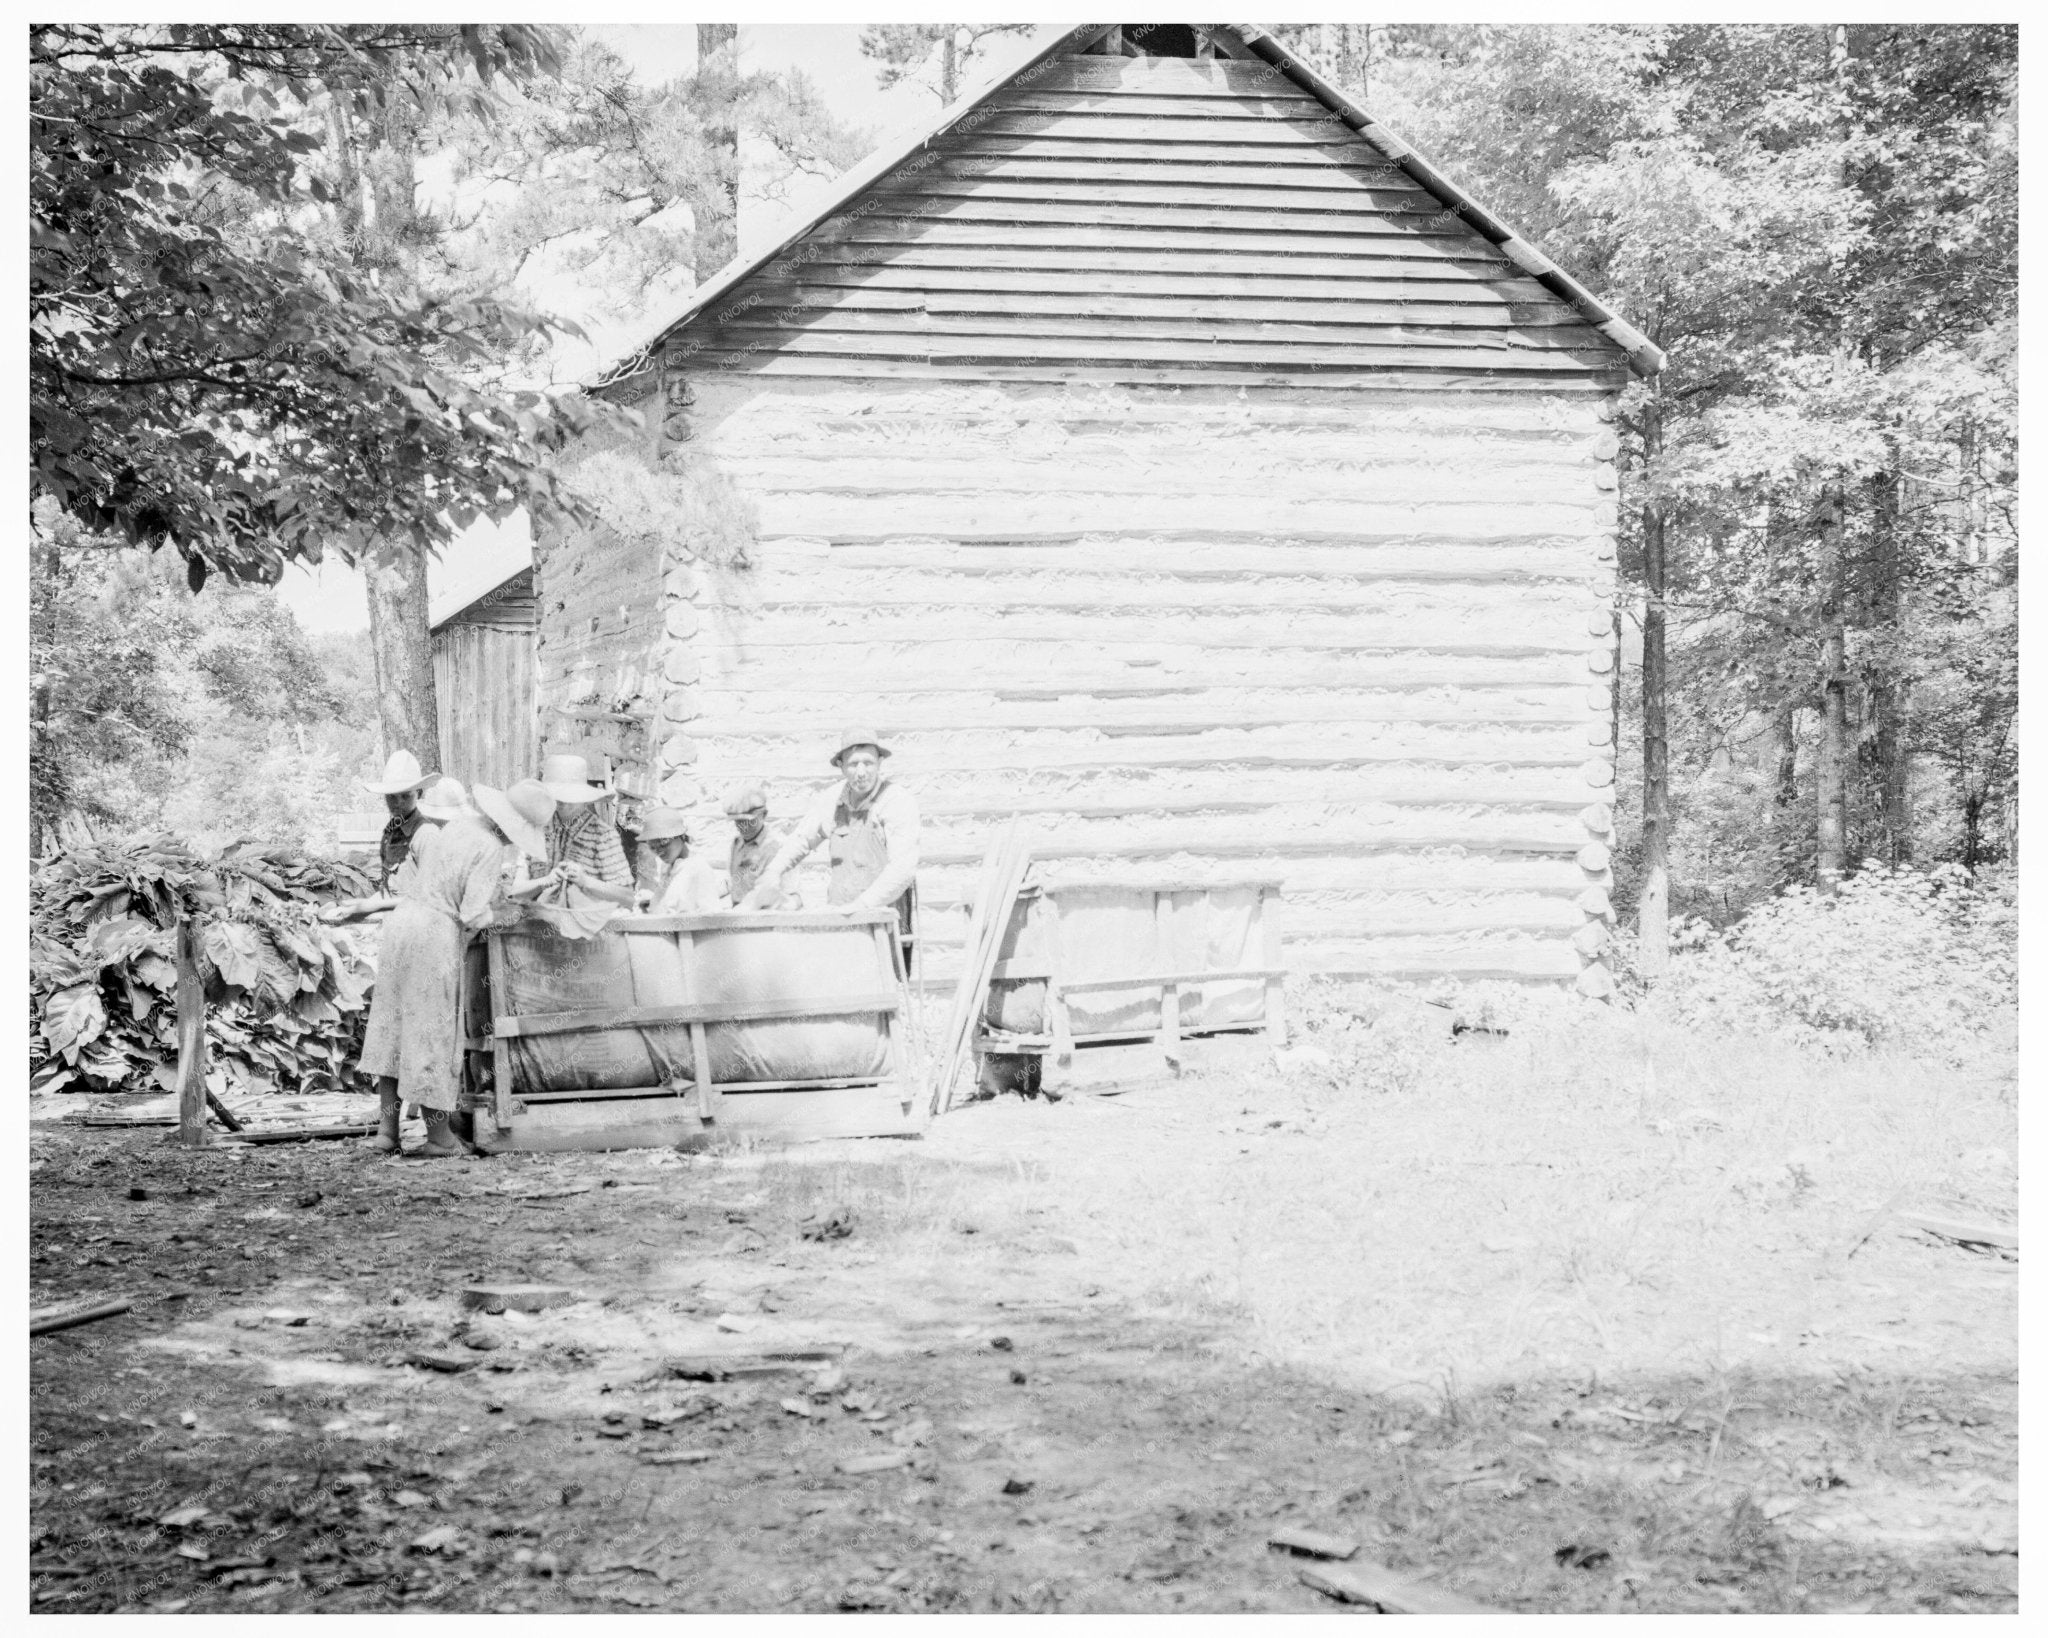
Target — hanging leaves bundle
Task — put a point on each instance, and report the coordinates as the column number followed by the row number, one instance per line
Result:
column 286, row 994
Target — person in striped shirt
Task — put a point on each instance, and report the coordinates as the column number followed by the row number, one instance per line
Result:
column 585, row 855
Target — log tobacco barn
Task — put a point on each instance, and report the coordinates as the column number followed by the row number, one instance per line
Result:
column 1161, row 448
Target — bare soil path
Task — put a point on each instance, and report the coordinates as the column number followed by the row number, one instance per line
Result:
column 255, row 1435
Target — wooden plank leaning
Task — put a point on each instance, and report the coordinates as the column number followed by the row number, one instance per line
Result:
column 1002, row 876
column 984, row 892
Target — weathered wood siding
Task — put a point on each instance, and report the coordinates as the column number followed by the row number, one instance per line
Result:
column 484, row 686
column 1157, row 219
column 1151, row 457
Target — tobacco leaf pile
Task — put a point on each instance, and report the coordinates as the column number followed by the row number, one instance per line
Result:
column 286, row 994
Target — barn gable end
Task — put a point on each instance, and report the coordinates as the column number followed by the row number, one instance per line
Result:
column 1152, row 453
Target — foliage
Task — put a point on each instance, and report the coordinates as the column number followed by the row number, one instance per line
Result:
column 210, row 715
column 285, row 994
column 943, row 51
column 596, row 180
column 692, row 507
column 205, row 369
column 1921, row 962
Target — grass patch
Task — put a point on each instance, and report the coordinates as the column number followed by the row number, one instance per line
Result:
column 1600, row 1193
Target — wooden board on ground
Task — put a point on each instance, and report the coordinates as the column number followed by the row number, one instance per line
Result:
column 1968, row 1234
column 526, row 1299
column 303, row 1134
column 596, row 1123
column 64, row 1315
column 723, row 1367
column 1313, row 1543
column 1364, row 1582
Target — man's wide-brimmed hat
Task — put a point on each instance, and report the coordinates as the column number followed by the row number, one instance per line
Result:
column 659, row 824
column 567, row 778
column 445, row 800
column 746, row 799
column 858, row 736
column 401, row 773
column 522, row 813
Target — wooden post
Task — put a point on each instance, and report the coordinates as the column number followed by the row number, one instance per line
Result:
column 191, row 1041
column 501, row 1048
column 700, row 1046
column 1263, row 952
column 1162, row 946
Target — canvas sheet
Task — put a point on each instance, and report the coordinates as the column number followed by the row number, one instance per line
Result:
column 739, row 967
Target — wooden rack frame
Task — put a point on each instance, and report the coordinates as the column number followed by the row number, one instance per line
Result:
column 1057, row 1045
column 705, row 1098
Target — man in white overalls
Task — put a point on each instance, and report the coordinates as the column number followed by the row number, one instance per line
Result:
column 872, row 825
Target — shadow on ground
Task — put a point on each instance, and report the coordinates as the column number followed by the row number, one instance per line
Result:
column 254, row 1437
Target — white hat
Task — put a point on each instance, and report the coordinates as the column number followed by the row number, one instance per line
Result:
column 446, row 800
column 522, row 813
column 567, row 779
column 401, row 773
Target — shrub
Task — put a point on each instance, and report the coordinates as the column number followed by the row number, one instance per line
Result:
column 1920, row 961
column 285, row 994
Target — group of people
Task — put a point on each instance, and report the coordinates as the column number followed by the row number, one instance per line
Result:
column 453, row 861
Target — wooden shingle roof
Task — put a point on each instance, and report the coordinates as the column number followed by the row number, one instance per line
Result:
column 1154, row 219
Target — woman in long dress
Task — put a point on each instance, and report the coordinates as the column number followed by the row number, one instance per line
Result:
column 413, row 1043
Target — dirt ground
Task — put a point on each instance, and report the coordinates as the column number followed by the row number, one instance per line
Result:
column 256, row 1435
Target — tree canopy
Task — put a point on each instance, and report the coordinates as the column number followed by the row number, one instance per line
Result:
column 207, row 369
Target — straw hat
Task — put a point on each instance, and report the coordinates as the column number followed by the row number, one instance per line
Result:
column 401, row 773
column 567, row 779
column 858, row 736
column 746, row 799
column 446, row 800
column 659, row 824
column 522, row 813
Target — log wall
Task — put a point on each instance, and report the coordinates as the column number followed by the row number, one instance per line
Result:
column 1360, row 644
column 599, row 647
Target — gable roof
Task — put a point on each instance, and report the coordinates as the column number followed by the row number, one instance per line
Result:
column 1643, row 356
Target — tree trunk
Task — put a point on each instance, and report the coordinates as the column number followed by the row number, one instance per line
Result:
column 717, row 220
column 1785, row 736
column 402, row 656
column 1653, row 899
column 1973, row 832
column 191, row 1040
column 45, row 799
column 378, row 207
column 1891, row 691
column 949, row 66
column 1831, row 764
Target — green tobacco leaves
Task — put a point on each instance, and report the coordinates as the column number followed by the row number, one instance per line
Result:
column 285, row 992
